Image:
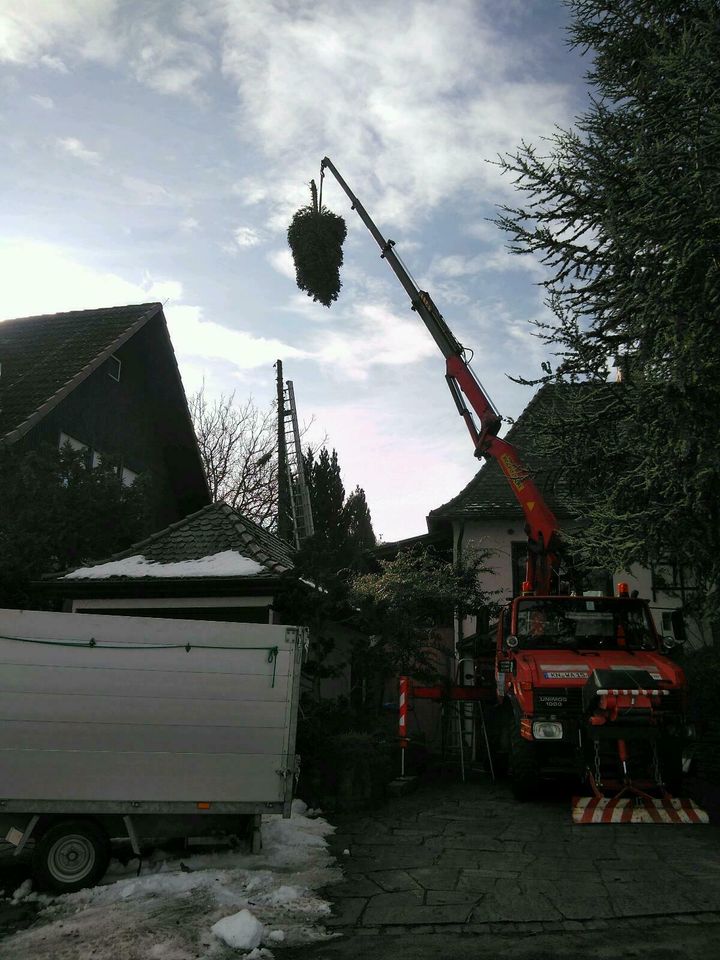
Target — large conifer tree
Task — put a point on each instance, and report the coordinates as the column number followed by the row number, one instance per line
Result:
column 624, row 210
column 343, row 526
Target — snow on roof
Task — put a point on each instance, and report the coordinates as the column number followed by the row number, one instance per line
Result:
column 229, row 563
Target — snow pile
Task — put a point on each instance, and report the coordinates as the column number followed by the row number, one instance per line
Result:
column 171, row 912
column 241, row 931
column 229, row 563
column 22, row 892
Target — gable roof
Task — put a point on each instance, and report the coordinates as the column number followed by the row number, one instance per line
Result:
column 45, row 357
column 488, row 495
column 213, row 530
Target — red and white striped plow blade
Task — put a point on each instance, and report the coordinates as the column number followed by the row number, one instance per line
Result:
column 636, row 810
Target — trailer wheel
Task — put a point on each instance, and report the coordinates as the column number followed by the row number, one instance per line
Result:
column 524, row 766
column 71, row 855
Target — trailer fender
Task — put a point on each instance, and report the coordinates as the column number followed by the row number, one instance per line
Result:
column 19, row 837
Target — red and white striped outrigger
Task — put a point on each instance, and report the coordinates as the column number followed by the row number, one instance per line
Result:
column 631, row 803
column 636, row 809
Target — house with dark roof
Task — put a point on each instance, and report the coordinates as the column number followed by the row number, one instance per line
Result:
column 215, row 564
column 485, row 513
column 486, row 510
column 106, row 382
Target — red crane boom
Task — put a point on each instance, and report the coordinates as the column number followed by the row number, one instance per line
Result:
column 541, row 525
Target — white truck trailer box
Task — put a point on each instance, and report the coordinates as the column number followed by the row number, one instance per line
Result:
column 139, row 717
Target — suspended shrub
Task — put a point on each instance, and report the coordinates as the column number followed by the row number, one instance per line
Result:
column 316, row 237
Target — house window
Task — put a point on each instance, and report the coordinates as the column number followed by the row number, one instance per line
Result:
column 670, row 577
column 667, row 576
column 114, row 367
column 74, row 444
column 128, row 477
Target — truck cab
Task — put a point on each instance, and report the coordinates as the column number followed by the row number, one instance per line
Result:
column 576, row 674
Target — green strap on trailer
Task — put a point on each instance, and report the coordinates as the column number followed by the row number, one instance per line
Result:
column 91, row 644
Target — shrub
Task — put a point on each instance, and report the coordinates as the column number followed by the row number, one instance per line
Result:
column 341, row 768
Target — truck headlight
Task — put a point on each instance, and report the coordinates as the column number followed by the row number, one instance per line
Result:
column 547, row 730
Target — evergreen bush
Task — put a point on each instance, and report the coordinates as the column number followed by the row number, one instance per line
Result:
column 316, row 236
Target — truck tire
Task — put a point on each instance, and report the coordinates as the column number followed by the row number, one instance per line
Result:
column 71, row 855
column 524, row 766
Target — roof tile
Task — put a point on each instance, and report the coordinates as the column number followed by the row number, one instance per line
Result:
column 212, row 530
column 489, row 494
column 43, row 354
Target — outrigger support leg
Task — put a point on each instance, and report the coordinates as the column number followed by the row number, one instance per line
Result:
column 631, row 803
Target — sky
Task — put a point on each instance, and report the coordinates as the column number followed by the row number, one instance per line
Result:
column 157, row 150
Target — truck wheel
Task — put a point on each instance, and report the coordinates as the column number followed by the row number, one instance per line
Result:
column 71, row 855
column 524, row 767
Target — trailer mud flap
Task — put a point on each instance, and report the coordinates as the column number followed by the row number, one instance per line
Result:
column 636, row 810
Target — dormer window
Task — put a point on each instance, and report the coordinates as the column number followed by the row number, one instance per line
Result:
column 114, row 366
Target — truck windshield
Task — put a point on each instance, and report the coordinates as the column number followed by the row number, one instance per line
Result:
column 590, row 623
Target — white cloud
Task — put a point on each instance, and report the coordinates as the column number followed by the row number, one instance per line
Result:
column 47, row 103
column 434, row 91
column 250, row 190
column 69, row 284
column 30, row 30
column 195, row 337
column 189, row 225
column 76, row 148
column 162, row 44
column 497, row 258
column 246, row 237
column 282, row 261
column 166, row 62
column 54, row 63
column 371, row 336
column 147, row 193
column 163, row 290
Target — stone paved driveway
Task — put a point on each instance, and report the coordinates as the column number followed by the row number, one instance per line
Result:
column 467, row 858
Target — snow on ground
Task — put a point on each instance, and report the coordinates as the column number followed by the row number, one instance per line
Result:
column 226, row 905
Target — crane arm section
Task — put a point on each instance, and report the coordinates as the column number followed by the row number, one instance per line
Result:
column 541, row 524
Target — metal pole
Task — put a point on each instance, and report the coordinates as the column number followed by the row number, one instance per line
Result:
column 487, row 741
column 402, row 721
column 461, row 735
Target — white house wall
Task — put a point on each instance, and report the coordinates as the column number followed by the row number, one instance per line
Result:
column 498, row 537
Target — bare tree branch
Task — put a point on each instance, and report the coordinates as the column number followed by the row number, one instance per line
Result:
column 238, row 447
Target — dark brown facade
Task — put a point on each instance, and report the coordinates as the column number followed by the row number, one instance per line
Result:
column 110, row 385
